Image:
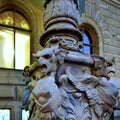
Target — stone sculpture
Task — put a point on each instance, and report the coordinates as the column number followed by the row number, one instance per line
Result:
column 66, row 84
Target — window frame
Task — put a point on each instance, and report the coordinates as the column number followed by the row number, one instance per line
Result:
column 15, row 28
column 94, row 42
column 90, row 41
column 9, row 108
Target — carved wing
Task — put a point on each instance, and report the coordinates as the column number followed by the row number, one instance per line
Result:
column 82, row 82
column 87, row 84
column 94, row 96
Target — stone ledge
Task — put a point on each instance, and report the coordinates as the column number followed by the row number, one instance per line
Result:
column 8, row 91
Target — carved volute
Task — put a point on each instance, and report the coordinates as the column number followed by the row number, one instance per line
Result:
column 66, row 84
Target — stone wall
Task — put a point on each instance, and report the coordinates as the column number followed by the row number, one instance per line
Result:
column 10, row 87
column 11, row 81
column 105, row 18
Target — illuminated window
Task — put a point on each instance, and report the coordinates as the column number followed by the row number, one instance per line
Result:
column 25, row 114
column 14, row 40
column 5, row 114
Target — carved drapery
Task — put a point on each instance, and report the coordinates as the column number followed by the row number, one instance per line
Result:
column 66, row 84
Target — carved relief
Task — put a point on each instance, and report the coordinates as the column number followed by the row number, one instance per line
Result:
column 57, row 8
column 66, row 84
column 71, row 91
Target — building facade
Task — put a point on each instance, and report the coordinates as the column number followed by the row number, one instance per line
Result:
column 23, row 20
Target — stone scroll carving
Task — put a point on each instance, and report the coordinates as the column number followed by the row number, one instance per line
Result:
column 64, row 83
column 67, row 85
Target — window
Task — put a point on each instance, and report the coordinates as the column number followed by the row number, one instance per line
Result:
column 115, row 114
column 5, row 114
column 90, row 39
column 25, row 114
column 14, row 40
column 87, row 43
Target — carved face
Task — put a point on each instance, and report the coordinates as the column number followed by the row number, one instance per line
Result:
column 104, row 70
column 102, row 67
column 47, row 60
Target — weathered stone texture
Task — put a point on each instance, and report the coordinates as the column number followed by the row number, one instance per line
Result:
column 107, row 15
column 11, row 77
column 112, row 43
column 112, row 49
column 118, row 66
column 113, row 9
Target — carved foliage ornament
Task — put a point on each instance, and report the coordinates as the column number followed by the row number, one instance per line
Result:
column 69, row 91
column 64, row 83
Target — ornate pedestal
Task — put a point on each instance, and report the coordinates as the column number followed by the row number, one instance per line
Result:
column 66, row 84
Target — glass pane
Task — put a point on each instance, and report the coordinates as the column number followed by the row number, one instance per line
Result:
column 86, row 49
column 4, row 114
column 7, row 18
column 25, row 115
column 6, row 48
column 22, row 49
column 21, row 22
column 86, row 40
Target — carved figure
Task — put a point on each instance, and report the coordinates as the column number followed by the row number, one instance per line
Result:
column 68, row 91
column 63, row 83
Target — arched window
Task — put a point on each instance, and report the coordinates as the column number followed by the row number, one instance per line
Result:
column 87, row 43
column 14, row 40
column 90, row 39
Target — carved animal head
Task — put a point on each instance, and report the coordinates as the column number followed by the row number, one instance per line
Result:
column 102, row 67
column 47, row 60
